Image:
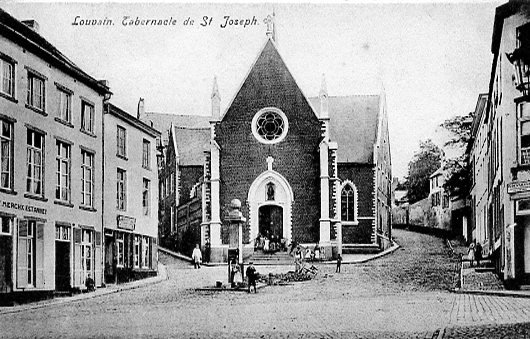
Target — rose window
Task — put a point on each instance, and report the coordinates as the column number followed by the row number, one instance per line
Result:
column 269, row 125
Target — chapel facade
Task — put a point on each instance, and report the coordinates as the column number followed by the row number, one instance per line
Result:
column 307, row 170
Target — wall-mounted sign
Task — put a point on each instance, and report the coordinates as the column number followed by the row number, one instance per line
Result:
column 23, row 207
column 518, row 186
column 126, row 223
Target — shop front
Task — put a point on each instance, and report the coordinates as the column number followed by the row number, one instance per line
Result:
column 517, row 236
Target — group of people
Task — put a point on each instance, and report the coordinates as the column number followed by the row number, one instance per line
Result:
column 474, row 253
column 305, row 253
column 236, row 276
column 270, row 243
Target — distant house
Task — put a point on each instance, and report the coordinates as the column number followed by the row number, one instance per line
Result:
column 439, row 202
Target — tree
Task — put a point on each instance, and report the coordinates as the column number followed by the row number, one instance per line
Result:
column 424, row 163
column 460, row 128
column 457, row 175
column 457, row 170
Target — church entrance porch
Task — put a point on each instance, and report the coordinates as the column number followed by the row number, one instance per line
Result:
column 270, row 230
column 270, row 199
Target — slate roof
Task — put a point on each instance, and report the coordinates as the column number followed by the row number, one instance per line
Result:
column 191, row 144
column 162, row 121
column 353, row 125
column 192, row 134
column 21, row 34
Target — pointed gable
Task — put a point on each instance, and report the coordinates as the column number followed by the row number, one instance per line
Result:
column 268, row 76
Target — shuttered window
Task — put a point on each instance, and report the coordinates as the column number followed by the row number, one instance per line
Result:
column 30, row 258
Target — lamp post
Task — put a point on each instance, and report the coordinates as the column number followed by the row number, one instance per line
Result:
column 235, row 248
column 520, row 59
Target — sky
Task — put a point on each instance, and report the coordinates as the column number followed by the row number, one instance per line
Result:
column 432, row 59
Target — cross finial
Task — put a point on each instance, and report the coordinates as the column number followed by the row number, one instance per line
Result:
column 270, row 160
column 269, row 21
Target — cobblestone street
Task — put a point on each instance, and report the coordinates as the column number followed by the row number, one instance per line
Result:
column 402, row 295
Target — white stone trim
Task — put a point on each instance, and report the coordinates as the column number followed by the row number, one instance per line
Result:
column 284, row 198
column 356, row 203
column 254, row 125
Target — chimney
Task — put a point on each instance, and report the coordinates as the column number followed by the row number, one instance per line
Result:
column 323, row 95
column 141, row 109
column 104, row 82
column 216, row 100
column 34, row 25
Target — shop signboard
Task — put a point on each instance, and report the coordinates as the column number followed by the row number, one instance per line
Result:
column 126, row 223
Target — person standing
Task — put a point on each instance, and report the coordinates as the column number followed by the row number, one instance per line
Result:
column 478, row 253
column 196, row 256
column 471, row 253
column 339, row 262
column 207, row 251
column 251, row 276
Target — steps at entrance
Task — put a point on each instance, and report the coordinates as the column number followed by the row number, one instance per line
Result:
column 278, row 258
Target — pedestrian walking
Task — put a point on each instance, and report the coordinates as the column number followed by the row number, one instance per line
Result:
column 471, row 253
column 251, row 276
column 197, row 256
column 478, row 253
column 339, row 262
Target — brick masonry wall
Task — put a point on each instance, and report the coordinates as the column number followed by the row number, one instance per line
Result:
column 362, row 176
column 243, row 158
column 357, row 234
column 189, row 176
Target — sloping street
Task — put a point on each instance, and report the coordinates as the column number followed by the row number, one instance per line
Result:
column 402, row 295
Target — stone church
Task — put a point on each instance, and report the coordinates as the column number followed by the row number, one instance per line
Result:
column 307, row 170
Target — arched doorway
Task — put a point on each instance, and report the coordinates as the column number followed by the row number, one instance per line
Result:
column 270, row 199
column 271, row 221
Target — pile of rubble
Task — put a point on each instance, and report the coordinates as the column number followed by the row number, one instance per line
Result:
column 289, row 277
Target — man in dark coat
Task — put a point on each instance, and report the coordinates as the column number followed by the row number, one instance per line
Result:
column 251, row 276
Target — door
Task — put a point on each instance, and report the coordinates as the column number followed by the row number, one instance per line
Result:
column 110, row 261
column 526, row 240
column 271, row 221
column 62, row 265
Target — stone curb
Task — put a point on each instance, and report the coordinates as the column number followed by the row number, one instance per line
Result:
column 389, row 250
column 513, row 294
column 91, row 295
column 175, row 254
column 214, row 289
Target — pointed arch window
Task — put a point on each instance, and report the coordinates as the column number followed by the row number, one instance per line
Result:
column 349, row 203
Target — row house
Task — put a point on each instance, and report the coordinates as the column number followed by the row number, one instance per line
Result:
column 57, row 219
column 130, row 201
column 51, row 185
column 500, row 149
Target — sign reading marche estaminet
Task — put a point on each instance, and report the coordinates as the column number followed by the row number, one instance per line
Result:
column 22, row 207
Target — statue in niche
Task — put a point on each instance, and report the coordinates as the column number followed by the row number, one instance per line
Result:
column 270, row 191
